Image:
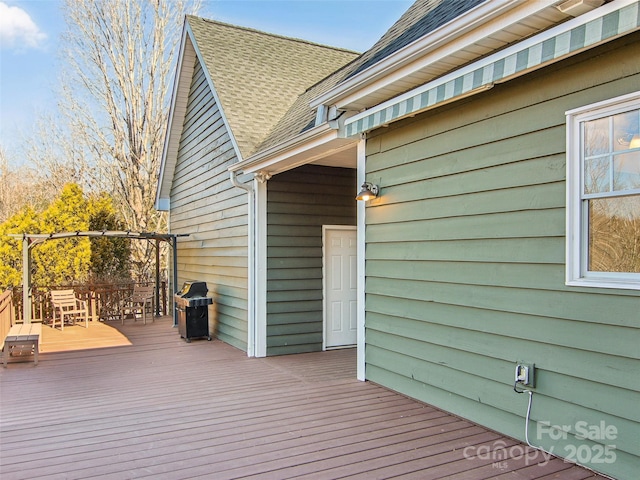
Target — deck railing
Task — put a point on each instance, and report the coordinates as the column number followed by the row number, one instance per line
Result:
column 6, row 314
column 103, row 300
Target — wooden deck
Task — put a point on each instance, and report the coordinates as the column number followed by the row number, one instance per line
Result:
column 149, row 405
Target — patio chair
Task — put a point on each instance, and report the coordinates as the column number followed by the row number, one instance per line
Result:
column 66, row 306
column 141, row 299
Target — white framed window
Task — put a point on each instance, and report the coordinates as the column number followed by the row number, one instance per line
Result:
column 603, row 194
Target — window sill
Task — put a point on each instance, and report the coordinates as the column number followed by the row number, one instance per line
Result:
column 605, row 283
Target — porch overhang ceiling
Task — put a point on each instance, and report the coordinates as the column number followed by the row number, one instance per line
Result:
column 317, row 145
column 586, row 31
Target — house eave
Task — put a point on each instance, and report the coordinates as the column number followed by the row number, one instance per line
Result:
column 483, row 74
column 446, row 34
column 307, row 147
column 443, row 49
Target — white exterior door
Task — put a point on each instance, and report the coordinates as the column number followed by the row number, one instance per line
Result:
column 340, row 286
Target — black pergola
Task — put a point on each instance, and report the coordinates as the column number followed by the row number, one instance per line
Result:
column 30, row 240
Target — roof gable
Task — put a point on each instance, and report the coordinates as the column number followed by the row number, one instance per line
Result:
column 258, row 76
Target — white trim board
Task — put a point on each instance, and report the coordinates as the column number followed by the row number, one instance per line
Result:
column 361, row 224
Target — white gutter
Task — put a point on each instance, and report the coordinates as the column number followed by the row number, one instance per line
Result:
column 272, row 155
column 281, row 150
column 424, row 51
column 312, row 138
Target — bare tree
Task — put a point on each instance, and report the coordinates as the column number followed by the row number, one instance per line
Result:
column 20, row 186
column 121, row 55
column 56, row 158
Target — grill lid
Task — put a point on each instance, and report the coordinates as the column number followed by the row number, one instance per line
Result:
column 193, row 294
column 193, row 289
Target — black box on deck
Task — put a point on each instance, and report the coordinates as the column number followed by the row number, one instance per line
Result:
column 192, row 305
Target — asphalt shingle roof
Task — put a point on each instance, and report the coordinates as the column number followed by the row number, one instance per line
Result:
column 265, row 82
column 423, row 17
column 259, row 76
column 300, row 117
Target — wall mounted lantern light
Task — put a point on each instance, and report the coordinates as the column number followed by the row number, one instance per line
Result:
column 368, row 192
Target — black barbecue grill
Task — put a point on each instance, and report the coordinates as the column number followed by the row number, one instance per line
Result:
column 192, row 304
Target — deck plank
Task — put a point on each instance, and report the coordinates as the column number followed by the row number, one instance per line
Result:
column 136, row 401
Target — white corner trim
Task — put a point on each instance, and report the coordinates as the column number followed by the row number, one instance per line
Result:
column 260, row 284
column 361, row 242
column 163, row 204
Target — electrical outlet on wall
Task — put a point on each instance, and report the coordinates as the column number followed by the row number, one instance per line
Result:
column 524, row 374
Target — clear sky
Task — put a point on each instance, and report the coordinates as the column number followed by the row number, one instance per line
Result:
column 30, row 30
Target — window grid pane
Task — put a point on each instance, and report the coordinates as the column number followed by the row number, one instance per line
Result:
column 597, row 175
column 626, row 171
column 611, row 154
column 611, row 192
column 614, row 234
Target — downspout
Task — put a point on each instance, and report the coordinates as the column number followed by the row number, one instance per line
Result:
column 251, row 340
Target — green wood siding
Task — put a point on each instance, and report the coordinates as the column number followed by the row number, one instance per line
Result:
column 465, row 251
column 299, row 203
column 205, row 205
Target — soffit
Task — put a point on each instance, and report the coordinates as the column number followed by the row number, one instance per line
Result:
column 346, row 158
column 322, row 145
column 338, row 152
